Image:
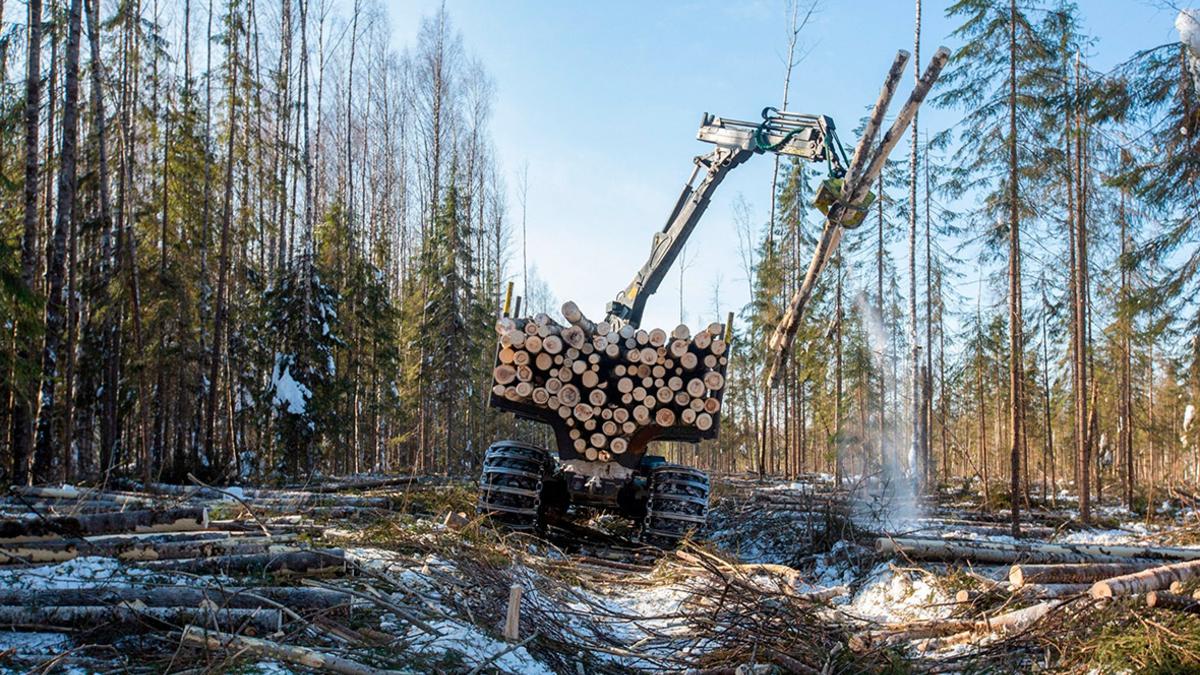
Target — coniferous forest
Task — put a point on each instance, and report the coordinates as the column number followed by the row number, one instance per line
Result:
column 257, row 267
column 286, row 257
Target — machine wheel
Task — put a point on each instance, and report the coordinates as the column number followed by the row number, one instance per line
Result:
column 510, row 489
column 678, row 504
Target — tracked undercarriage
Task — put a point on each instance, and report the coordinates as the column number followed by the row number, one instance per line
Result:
column 523, row 487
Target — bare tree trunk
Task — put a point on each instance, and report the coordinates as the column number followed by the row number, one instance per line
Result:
column 223, row 259
column 45, row 445
column 1048, row 453
column 1125, row 444
column 126, row 232
column 109, row 328
column 1016, row 341
column 919, row 467
column 944, row 414
column 983, row 452
column 837, row 403
column 23, row 413
column 307, row 246
column 879, row 311
column 797, row 25
column 1080, row 316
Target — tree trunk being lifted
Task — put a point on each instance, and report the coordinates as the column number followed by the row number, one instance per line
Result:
column 171, row 520
column 1147, row 580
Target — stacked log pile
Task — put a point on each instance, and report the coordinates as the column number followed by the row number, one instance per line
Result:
column 609, row 390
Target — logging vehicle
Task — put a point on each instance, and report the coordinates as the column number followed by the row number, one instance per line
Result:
column 608, row 388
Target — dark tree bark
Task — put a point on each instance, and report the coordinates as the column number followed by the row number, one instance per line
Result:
column 55, row 309
column 1083, row 436
column 1016, row 340
column 22, row 413
column 214, row 369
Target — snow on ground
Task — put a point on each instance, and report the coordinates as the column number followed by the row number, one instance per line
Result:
column 638, row 612
column 85, row 571
column 80, row 572
column 474, row 646
column 890, row 595
column 34, row 643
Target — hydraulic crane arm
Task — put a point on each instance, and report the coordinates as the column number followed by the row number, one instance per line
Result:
column 810, row 137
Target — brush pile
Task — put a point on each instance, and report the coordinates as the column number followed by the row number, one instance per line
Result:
column 379, row 575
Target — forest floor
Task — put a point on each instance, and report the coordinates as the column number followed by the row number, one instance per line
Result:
column 787, row 580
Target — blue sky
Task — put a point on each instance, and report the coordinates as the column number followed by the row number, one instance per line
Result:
column 603, row 99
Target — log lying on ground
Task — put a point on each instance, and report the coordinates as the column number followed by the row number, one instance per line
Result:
column 132, row 549
column 320, row 495
column 1011, row 622
column 1016, row 620
column 824, row 594
column 297, row 562
column 60, row 508
column 37, row 617
column 893, row 635
column 1001, row 553
column 948, row 632
column 362, row 484
column 298, row 598
column 264, row 649
column 67, row 493
column 1153, row 579
column 170, row 520
column 744, row 575
column 1179, row 603
column 789, row 574
column 1080, row 573
column 1039, row 591
column 1053, row 590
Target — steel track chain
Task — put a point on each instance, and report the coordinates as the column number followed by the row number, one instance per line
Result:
column 678, row 504
column 511, row 485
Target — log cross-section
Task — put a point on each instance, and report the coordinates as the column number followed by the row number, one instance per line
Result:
column 610, row 390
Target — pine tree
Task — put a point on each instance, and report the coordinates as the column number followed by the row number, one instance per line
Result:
column 1002, row 64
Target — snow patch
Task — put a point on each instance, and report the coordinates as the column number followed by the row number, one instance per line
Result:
column 894, row 596
column 476, row 648
column 1188, row 25
column 289, row 394
column 75, row 573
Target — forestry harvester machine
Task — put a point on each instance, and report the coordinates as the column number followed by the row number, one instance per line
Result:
column 608, row 388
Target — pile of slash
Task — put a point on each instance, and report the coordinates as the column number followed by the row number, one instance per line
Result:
column 371, row 575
